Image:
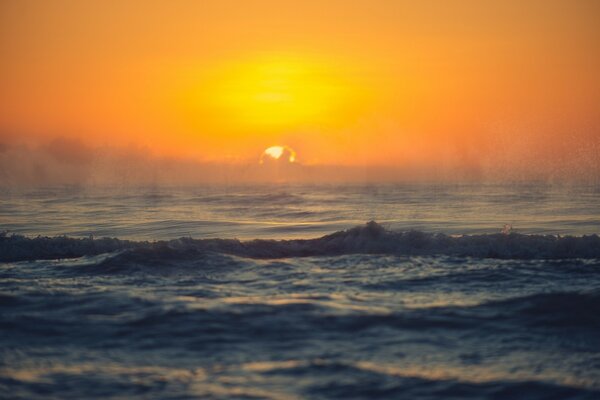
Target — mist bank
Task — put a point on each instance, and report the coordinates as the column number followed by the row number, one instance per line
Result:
column 63, row 161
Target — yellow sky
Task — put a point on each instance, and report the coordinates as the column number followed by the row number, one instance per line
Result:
column 377, row 82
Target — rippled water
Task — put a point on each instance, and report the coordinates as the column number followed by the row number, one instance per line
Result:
column 285, row 211
column 366, row 312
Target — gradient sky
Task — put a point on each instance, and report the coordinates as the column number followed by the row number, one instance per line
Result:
column 377, row 82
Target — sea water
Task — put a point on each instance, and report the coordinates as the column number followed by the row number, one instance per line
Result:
column 301, row 291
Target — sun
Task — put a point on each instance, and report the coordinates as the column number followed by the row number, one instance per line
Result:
column 278, row 153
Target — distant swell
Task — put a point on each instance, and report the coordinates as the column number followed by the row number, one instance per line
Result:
column 371, row 238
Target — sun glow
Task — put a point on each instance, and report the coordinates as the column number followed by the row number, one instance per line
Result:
column 280, row 92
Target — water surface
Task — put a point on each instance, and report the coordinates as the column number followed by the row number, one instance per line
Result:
column 431, row 303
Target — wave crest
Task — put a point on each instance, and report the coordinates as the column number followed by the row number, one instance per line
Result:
column 371, row 238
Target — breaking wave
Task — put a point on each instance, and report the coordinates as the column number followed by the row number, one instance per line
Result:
column 371, row 238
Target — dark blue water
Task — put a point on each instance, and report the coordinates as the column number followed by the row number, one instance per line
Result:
column 373, row 311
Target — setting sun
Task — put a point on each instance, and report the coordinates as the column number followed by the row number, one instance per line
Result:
column 283, row 153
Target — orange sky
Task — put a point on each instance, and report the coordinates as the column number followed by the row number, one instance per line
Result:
column 377, row 82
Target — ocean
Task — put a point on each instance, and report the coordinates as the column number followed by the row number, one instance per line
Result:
column 294, row 291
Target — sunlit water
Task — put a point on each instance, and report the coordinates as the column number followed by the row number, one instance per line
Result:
column 365, row 313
